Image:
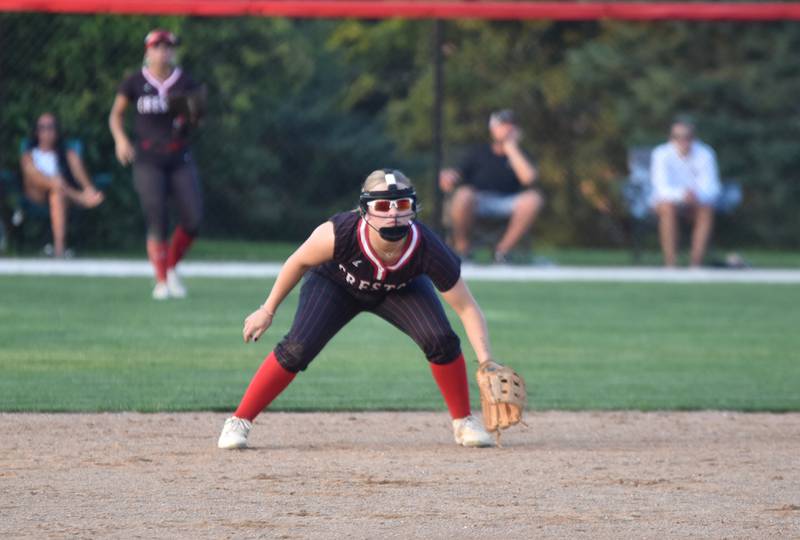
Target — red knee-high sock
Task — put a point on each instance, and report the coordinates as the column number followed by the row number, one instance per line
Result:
column 268, row 382
column 157, row 253
column 181, row 240
column 452, row 381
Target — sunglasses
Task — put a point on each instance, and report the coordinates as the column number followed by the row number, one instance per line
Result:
column 42, row 127
column 384, row 205
column 154, row 37
column 683, row 137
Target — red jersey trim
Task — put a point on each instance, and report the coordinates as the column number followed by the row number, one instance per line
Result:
column 377, row 264
column 412, row 247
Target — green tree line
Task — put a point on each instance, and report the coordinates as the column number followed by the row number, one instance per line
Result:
column 301, row 110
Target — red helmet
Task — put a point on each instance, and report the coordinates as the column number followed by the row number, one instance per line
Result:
column 159, row 35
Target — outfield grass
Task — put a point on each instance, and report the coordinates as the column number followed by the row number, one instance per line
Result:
column 87, row 344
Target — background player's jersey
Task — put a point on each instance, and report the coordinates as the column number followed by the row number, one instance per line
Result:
column 357, row 267
column 157, row 130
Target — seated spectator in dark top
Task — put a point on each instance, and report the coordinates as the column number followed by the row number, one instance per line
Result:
column 495, row 179
column 55, row 176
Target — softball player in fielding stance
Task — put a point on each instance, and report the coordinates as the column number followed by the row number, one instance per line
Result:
column 376, row 259
column 163, row 166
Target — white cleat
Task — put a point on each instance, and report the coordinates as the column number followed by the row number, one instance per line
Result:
column 468, row 431
column 234, row 433
column 174, row 285
column 160, row 291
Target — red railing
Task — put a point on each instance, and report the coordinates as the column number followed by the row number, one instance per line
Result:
column 377, row 9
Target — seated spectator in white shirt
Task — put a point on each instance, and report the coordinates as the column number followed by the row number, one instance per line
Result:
column 685, row 177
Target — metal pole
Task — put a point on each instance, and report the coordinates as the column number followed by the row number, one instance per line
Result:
column 438, row 83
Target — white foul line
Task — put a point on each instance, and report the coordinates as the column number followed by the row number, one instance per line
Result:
column 134, row 268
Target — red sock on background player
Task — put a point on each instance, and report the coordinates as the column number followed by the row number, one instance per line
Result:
column 157, row 253
column 180, row 243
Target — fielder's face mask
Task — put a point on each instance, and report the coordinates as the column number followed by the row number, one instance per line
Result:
column 401, row 199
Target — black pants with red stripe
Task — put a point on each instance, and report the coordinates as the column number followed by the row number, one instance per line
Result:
column 325, row 307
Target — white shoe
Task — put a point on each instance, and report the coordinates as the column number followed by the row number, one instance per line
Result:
column 176, row 288
column 160, row 291
column 234, row 433
column 468, row 431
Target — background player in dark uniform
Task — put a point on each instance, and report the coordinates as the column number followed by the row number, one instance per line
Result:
column 493, row 180
column 377, row 259
column 162, row 163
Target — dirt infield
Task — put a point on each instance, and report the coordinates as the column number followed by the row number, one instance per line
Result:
column 399, row 475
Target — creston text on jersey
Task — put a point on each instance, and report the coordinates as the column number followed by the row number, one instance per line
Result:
column 151, row 104
column 364, row 285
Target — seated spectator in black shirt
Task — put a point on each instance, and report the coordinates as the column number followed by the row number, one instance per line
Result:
column 495, row 179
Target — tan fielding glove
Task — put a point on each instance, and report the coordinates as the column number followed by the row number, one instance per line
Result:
column 503, row 396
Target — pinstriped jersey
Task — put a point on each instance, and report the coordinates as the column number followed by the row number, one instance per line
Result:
column 357, row 267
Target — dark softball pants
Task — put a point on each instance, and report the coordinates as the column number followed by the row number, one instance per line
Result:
column 158, row 181
column 325, row 307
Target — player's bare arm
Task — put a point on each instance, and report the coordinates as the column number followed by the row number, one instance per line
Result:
column 116, row 122
column 317, row 249
column 463, row 303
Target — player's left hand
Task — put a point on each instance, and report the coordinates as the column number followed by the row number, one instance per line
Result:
column 256, row 324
